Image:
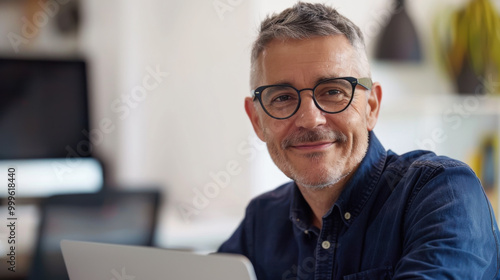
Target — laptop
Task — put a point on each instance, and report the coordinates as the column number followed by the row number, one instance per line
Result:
column 92, row 261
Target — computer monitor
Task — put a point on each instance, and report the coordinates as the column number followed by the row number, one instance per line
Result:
column 43, row 108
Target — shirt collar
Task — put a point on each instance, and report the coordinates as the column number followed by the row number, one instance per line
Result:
column 361, row 185
column 356, row 192
column 300, row 212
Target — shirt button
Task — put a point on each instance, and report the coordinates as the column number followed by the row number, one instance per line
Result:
column 306, row 231
column 347, row 215
column 325, row 244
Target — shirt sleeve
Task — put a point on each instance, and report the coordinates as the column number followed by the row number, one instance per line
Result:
column 449, row 230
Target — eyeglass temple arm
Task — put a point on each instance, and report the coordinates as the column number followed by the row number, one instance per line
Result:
column 365, row 82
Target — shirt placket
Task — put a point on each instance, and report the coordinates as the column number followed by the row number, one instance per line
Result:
column 326, row 247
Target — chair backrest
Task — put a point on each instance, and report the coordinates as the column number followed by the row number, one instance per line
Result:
column 120, row 217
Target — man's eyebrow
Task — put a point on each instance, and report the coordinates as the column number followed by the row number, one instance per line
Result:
column 282, row 82
column 324, row 78
column 318, row 80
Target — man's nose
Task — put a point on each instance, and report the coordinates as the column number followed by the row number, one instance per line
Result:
column 309, row 115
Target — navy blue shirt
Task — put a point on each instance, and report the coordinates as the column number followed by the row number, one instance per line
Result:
column 411, row 216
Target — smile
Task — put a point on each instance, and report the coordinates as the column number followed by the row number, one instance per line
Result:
column 313, row 146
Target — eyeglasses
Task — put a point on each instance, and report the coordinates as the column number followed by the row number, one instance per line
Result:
column 331, row 96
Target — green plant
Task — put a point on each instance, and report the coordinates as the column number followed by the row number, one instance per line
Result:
column 470, row 37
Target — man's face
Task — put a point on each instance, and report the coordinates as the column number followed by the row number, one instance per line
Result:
column 314, row 148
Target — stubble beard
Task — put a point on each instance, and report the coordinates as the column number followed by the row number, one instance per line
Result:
column 328, row 176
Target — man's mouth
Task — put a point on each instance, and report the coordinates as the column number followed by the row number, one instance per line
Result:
column 313, row 146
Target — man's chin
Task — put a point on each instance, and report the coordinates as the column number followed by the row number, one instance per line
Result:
column 315, row 184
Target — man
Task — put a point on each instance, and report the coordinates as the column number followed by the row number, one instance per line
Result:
column 353, row 210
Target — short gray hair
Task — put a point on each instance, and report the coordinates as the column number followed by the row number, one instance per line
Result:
column 303, row 21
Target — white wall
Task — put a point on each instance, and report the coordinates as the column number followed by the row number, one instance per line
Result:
column 192, row 124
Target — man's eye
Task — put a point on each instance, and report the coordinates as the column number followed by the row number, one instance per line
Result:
column 330, row 93
column 282, row 98
column 333, row 92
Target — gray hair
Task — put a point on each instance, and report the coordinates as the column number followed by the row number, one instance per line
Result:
column 306, row 20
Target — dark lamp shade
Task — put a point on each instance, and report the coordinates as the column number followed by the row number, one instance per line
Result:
column 399, row 40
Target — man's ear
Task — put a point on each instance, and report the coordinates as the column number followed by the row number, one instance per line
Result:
column 254, row 117
column 373, row 107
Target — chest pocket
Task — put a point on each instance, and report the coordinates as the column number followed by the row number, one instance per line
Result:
column 381, row 273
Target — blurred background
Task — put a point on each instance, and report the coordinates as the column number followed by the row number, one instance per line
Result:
column 145, row 98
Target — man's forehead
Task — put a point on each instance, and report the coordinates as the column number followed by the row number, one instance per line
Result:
column 328, row 55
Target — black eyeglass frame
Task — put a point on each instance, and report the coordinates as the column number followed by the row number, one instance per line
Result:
column 364, row 82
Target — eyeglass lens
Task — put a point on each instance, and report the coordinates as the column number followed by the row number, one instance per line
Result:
column 332, row 96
